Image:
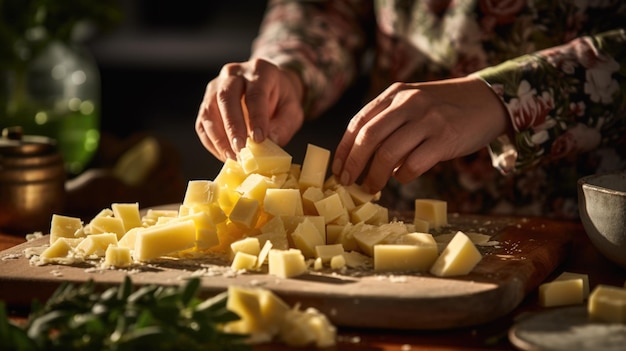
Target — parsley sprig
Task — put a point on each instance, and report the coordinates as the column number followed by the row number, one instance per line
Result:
column 152, row 317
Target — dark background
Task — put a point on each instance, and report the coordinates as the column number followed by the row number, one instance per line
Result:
column 155, row 66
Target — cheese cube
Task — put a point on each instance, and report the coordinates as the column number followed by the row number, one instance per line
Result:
column 101, row 225
column 365, row 212
column 356, row 259
column 401, row 258
column 607, row 304
column 570, row 276
column 330, row 207
column 245, row 212
column 561, row 292
column 301, row 328
column 265, row 251
column 283, row 202
column 97, row 244
column 227, row 198
column 309, row 197
column 306, row 237
column 337, row 262
column 128, row 213
column 245, row 303
column 58, row 249
column 250, row 246
column 327, row 252
column 274, row 231
column 265, row 158
column 273, row 310
column 458, row 258
column 318, row 264
column 346, row 198
column 333, row 231
column 286, row 263
column 361, row 196
column 346, row 237
column 255, row 186
column 243, row 260
column 153, row 215
column 157, row 241
column 420, row 225
column 435, row 212
column 200, row 192
column 64, row 227
column 117, row 256
column 230, row 175
column 128, row 240
column 368, row 239
column 314, row 167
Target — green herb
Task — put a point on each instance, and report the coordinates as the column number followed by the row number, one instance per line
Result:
column 152, row 317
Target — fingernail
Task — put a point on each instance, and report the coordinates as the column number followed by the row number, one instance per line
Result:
column 238, row 144
column 257, row 135
column 337, row 166
column 345, row 178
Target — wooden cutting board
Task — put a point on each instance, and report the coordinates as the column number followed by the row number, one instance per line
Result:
column 528, row 250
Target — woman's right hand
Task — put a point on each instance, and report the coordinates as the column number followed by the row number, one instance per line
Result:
column 255, row 99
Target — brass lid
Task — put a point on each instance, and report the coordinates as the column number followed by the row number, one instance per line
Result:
column 14, row 143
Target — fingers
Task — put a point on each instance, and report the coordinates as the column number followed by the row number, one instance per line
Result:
column 229, row 95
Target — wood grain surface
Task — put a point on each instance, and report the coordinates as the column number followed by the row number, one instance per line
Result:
column 528, row 250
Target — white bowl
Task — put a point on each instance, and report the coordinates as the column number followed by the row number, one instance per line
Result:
column 602, row 207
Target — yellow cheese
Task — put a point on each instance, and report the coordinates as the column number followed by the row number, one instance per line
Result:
column 291, row 222
column 283, row 202
column 368, row 239
column 64, row 227
column 401, row 258
column 361, row 196
column 128, row 240
column 302, row 328
column 245, row 212
column 333, row 231
column 346, row 237
column 265, row 251
column 327, row 252
column 356, row 259
column 58, row 249
column 117, row 257
column 273, row 310
column 97, row 244
column 101, row 225
column 435, row 212
column 264, row 158
column 255, row 186
column 286, row 263
column 128, row 213
column 318, row 264
column 330, row 207
column 420, row 225
column 458, row 258
column 227, row 198
column 274, row 231
column 243, row 260
column 250, row 246
column 382, row 216
column 607, row 304
column 306, row 237
column 200, row 192
column 245, row 303
column 337, row 262
column 346, row 198
column 571, row 275
column 561, row 293
column 314, row 167
column 206, row 230
column 309, row 197
column 157, row 241
column 153, row 215
column 365, row 212
column 230, row 175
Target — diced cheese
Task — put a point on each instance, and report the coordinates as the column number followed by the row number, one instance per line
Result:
column 117, row 257
column 306, row 237
column 265, row 251
column 365, row 212
column 128, row 240
column 58, row 249
column 337, row 262
column 318, row 264
column 230, row 175
column 333, row 231
column 265, row 158
column 255, row 186
column 128, row 213
column 274, row 231
column 157, row 241
column 561, row 292
column 326, row 252
column 571, row 275
column 361, row 196
column 243, row 260
column 458, row 258
column 250, row 246
column 368, row 239
column 400, row 258
column 283, row 202
column 286, row 263
column 64, row 227
column 435, row 212
column 346, row 237
column 607, row 304
column 97, row 244
column 314, row 167
column 101, row 225
column 245, row 303
column 309, row 197
column 200, row 192
column 421, row 225
column 245, row 212
column 301, row 328
column 346, row 198
column 356, row 259
column 330, row 207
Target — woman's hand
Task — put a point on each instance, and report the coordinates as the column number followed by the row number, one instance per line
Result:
column 272, row 96
column 410, row 127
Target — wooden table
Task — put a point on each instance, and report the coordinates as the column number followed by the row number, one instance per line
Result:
column 584, row 258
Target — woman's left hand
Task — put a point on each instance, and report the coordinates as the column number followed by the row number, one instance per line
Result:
column 411, row 127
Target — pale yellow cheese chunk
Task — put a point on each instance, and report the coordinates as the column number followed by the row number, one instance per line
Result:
column 361, row 196
column 607, row 304
column 245, row 212
column 128, row 213
column 421, row 225
column 64, row 227
column 251, row 246
column 230, row 175
column 117, row 257
column 286, row 263
column 309, row 197
column 327, row 252
column 435, row 212
column 274, row 231
column 283, row 202
column 346, row 198
column 157, row 241
column 401, row 258
column 245, row 303
column 97, row 244
column 302, row 328
column 265, row 158
column 243, row 260
column 314, row 167
column 459, row 257
column 101, row 225
column 337, row 262
column 561, row 293
column 330, row 207
column 571, row 275
column 58, row 249
column 355, row 259
column 365, row 212
column 265, row 251
column 200, row 192
column 368, row 239
column 128, row 240
column 306, row 237
column 255, row 186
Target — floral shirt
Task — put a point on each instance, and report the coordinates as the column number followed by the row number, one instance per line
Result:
column 558, row 66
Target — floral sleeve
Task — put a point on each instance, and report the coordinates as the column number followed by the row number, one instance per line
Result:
column 320, row 40
column 562, row 101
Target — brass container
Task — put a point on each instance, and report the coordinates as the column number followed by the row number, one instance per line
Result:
column 32, row 182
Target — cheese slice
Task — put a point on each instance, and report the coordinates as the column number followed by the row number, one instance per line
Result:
column 157, row 241
column 128, row 213
column 64, row 227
